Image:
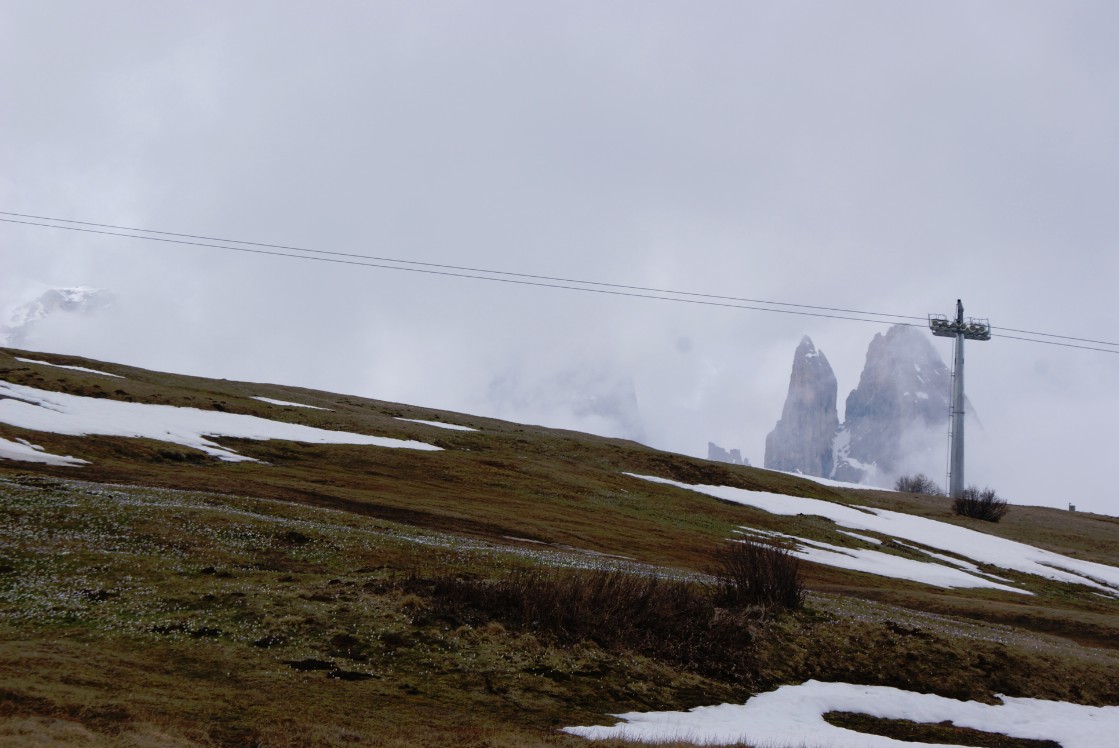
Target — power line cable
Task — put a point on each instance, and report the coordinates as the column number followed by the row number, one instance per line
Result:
column 996, row 334
column 447, row 273
column 526, row 275
column 536, row 280
column 1051, row 335
column 459, row 267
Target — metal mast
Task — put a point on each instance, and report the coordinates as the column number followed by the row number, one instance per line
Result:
column 960, row 329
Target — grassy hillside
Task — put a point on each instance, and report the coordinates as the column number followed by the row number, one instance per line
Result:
column 160, row 596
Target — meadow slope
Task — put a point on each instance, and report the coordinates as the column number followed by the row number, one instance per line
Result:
column 153, row 591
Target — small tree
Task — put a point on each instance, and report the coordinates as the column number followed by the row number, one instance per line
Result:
column 984, row 505
column 919, row 483
column 752, row 572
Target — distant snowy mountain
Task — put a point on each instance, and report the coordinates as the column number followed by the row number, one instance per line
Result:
column 22, row 319
column 895, row 421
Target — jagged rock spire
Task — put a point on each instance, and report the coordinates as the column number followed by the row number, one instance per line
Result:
column 802, row 439
column 895, row 420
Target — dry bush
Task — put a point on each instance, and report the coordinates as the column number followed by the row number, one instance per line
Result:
column 673, row 621
column 984, row 505
column 604, row 606
column 919, row 483
column 754, row 573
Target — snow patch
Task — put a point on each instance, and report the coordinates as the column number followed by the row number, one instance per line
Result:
column 882, row 564
column 980, row 547
column 840, row 447
column 793, row 715
column 286, row 404
column 59, row 413
column 24, row 451
column 438, row 424
column 837, row 483
column 71, row 368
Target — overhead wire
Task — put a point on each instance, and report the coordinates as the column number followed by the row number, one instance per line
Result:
column 458, row 267
column 448, row 273
column 1051, row 335
column 996, row 334
column 525, row 279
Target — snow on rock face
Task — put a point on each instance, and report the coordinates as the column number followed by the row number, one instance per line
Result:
column 40, row 410
column 895, row 420
column 977, row 546
column 793, row 715
column 76, row 300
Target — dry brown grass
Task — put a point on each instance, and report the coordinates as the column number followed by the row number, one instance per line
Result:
column 46, row 732
column 900, row 729
column 129, row 611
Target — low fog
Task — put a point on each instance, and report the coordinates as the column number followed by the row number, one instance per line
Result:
column 870, row 156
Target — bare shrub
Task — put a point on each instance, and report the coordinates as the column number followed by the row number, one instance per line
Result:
column 919, row 483
column 753, row 573
column 674, row 621
column 605, row 606
column 984, row 505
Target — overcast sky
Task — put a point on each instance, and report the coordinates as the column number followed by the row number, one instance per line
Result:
column 881, row 156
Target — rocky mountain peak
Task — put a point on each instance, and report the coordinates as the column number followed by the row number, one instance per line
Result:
column 895, row 421
column 802, row 440
column 718, row 454
column 74, row 300
column 902, row 371
column 896, row 416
